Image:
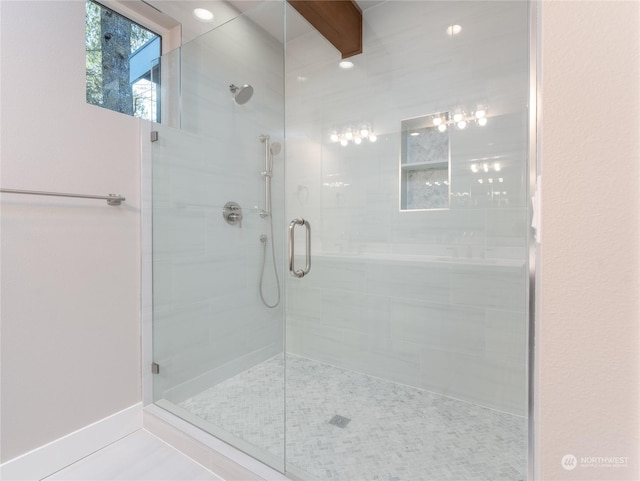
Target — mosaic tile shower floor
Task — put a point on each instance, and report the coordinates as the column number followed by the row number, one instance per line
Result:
column 395, row 433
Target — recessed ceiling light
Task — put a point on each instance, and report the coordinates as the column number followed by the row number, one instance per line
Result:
column 203, row 14
column 345, row 64
column 414, row 134
column 453, row 30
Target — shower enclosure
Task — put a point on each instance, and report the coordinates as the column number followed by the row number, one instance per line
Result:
column 397, row 191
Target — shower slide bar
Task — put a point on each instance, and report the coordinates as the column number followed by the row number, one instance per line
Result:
column 112, row 199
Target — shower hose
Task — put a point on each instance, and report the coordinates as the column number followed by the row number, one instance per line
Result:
column 264, row 240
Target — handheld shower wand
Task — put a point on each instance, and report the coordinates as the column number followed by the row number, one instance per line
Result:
column 269, row 151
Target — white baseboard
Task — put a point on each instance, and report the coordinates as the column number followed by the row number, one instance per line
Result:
column 52, row 457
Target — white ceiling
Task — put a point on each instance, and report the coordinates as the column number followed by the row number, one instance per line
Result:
column 270, row 19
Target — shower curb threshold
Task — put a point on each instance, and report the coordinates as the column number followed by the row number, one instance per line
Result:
column 214, row 454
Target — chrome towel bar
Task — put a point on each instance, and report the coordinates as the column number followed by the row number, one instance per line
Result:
column 112, row 199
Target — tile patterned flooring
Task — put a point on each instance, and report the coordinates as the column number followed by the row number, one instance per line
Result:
column 396, row 432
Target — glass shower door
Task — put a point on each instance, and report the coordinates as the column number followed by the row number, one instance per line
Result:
column 223, row 95
column 406, row 342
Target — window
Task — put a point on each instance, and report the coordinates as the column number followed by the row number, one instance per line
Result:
column 122, row 63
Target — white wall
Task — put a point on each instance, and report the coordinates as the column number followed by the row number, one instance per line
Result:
column 588, row 345
column 376, row 301
column 70, row 268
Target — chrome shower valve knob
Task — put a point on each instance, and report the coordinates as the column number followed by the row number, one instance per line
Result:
column 232, row 213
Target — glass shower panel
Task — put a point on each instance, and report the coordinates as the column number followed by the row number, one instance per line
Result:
column 210, row 327
column 406, row 343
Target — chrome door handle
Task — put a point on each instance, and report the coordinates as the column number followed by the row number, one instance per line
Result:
column 292, row 225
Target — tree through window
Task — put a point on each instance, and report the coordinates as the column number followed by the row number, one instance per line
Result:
column 121, row 59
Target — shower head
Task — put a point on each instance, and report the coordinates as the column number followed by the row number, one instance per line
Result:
column 275, row 148
column 241, row 95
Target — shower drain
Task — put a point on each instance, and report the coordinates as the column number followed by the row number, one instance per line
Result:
column 339, row 421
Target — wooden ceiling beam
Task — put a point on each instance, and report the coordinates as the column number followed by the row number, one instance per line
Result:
column 339, row 21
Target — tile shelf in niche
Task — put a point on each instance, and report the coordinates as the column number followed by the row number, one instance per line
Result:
column 424, row 165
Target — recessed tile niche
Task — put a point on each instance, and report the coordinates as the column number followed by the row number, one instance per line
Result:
column 424, row 165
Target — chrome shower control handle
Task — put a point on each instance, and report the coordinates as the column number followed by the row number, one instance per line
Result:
column 292, row 270
column 232, row 213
